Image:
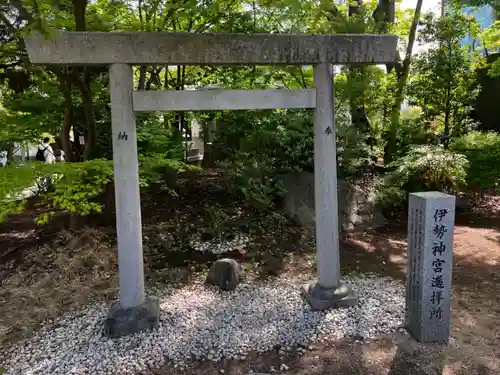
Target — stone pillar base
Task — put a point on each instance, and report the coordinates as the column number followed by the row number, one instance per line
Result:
column 121, row 322
column 321, row 298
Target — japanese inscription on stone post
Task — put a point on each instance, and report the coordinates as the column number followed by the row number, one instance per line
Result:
column 430, row 249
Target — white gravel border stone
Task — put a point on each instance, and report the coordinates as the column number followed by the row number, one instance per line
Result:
column 201, row 322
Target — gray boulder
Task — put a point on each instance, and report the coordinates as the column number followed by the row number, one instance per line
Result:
column 225, row 273
column 357, row 208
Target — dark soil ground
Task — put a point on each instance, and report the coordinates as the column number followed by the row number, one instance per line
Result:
column 279, row 249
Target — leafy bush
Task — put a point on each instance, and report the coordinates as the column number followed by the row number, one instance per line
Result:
column 483, row 153
column 155, row 169
column 424, row 168
column 412, row 130
column 255, row 146
column 76, row 187
column 155, row 138
column 255, row 185
column 276, row 139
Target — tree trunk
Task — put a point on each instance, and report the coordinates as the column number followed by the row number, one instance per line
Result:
column 65, row 87
column 447, row 130
column 10, row 153
column 88, row 107
column 142, row 78
column 79, row 11
column 391, row 145
column 384, row 15
column 165, row 86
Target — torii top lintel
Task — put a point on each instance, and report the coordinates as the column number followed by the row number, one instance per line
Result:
column 144, row 48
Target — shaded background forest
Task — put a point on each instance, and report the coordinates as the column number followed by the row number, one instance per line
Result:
column 445, row 139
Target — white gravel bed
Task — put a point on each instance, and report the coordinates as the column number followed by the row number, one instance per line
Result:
column 239, row 242
column 204, row 323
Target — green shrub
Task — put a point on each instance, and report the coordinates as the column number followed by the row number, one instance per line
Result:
column 483, row 153
column 155, row 169
column 255, row 186
column 76, row 187
column 254, row 146
column 275, row 139
column 153, row 138
column 424, row 168
column 412, row 130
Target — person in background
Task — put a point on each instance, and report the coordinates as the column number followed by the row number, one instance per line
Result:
column 60, row 156
column 58, row 151
column 45, row 152
column 3, row 158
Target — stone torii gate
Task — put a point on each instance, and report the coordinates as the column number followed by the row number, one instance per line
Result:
column 133, row 312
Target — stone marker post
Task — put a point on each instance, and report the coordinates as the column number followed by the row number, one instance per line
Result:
column 431, row 220
column 327, row 291
column 132, row 313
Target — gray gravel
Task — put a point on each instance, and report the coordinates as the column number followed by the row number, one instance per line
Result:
column 216, row 246
column 204, row 323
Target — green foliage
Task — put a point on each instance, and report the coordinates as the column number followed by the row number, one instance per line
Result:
column 444, row 83
column 68, row 186
column 256, row 186
column 31, row 113
column 79, row 185
column 483, row 153
column 217, row 221
column 412, row 130
column 424, row 168
column 267, row 139
column 14, row 179
column 155, row 137
column 76, row 187
column 11, row 208
column 155, row 169
column 284, row 140
column 490, row 41
column 256, row 146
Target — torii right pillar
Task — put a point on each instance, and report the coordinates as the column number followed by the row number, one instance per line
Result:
column 327, row 292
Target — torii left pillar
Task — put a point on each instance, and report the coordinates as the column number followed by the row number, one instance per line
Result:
column 132, row 313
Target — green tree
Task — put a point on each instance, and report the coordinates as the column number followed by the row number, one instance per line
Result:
column 402, row 73
column 444, row 83
column 490, row 43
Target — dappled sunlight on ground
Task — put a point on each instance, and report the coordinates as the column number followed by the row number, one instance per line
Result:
column 278, row 252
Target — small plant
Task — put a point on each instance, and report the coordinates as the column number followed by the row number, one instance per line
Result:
column 217, row 221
